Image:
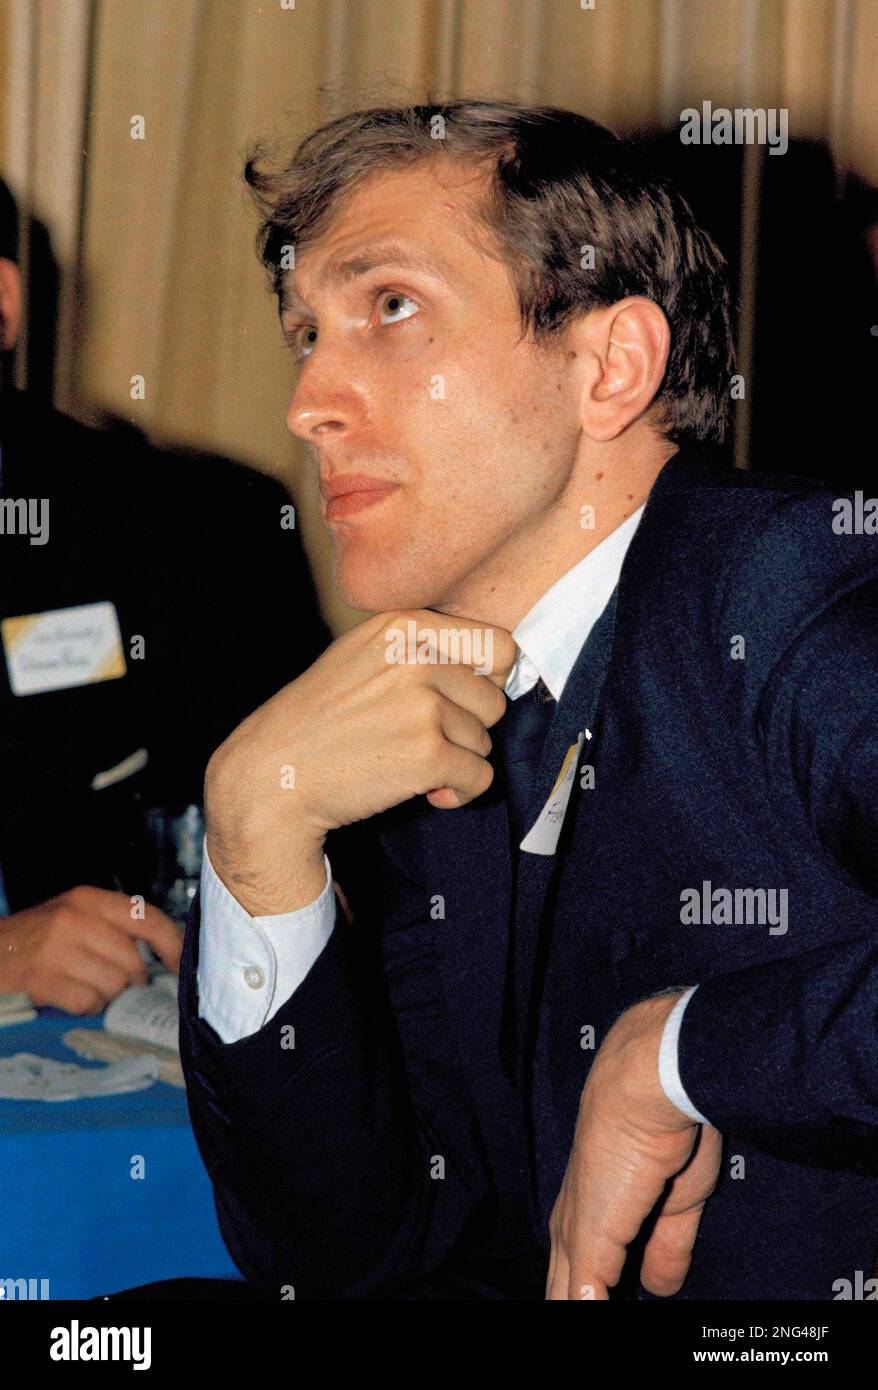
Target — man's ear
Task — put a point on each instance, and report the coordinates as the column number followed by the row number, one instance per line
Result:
column 624, row 351
column 10, row 304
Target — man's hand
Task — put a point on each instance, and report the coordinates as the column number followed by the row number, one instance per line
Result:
column 630, row 1142
column 353, row 736
column 77, row 951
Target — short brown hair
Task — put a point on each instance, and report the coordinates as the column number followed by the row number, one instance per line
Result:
column 560, row 184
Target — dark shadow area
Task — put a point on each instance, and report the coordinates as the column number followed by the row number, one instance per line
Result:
column 814, row 406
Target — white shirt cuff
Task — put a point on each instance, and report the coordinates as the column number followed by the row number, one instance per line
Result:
column 249, row 966
column 669, row 1062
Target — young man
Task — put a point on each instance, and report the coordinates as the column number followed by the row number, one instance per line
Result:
column 638, row 918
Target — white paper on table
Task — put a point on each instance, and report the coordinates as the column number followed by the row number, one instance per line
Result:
column 16, row 1008
column 26, row 1076
column 147, row 1013
column 167, row 982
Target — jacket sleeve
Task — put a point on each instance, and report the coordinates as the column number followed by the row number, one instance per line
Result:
column 324, row 1172
column 786, row 1052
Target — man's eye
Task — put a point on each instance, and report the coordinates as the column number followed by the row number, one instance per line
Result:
column 306, row 341
column 399, row 305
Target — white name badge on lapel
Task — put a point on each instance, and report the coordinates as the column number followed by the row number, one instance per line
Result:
column 544, row 834
column 63, row 648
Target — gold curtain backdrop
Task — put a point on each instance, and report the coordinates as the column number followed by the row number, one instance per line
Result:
column 154, row 236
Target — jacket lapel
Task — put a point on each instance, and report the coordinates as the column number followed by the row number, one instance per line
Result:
column 472, row 843
column 578, row 712
column 576, row 715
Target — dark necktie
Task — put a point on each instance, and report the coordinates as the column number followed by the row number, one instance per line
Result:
column 521, row 734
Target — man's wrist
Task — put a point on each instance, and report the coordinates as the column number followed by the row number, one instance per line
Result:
column 639, row 1032
column 267, row 882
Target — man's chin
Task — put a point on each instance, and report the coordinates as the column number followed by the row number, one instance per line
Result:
column 381, row 594
column 389, row 601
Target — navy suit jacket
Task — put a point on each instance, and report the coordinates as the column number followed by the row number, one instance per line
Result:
column 387, row 1154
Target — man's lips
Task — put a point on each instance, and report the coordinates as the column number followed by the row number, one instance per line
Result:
column 351, row 492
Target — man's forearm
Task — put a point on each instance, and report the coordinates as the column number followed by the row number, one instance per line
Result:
column 802, row 1031
column 321, row 1172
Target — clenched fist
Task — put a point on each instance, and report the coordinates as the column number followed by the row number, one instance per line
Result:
column 356, row 734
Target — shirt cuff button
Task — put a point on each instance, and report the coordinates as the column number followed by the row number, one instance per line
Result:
column 254, row 977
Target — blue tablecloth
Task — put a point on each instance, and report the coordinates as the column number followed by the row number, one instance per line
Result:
column 70, row 1210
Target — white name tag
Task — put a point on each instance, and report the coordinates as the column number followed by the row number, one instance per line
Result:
column 63, row 648
column 543, row 836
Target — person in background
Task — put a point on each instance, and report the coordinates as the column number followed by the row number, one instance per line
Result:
column 148, row 601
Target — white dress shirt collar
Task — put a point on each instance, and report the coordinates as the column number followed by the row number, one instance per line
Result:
column 552, row 634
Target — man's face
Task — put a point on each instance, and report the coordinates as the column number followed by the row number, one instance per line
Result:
column 420, row 377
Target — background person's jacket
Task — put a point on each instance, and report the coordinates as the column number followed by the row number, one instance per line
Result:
column 191, row 553
column 386, row 1154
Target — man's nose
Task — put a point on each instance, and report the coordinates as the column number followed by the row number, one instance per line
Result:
column 318, row 409
column 312, row 423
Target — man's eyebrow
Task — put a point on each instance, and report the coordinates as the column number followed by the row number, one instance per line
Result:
column 352, row 267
